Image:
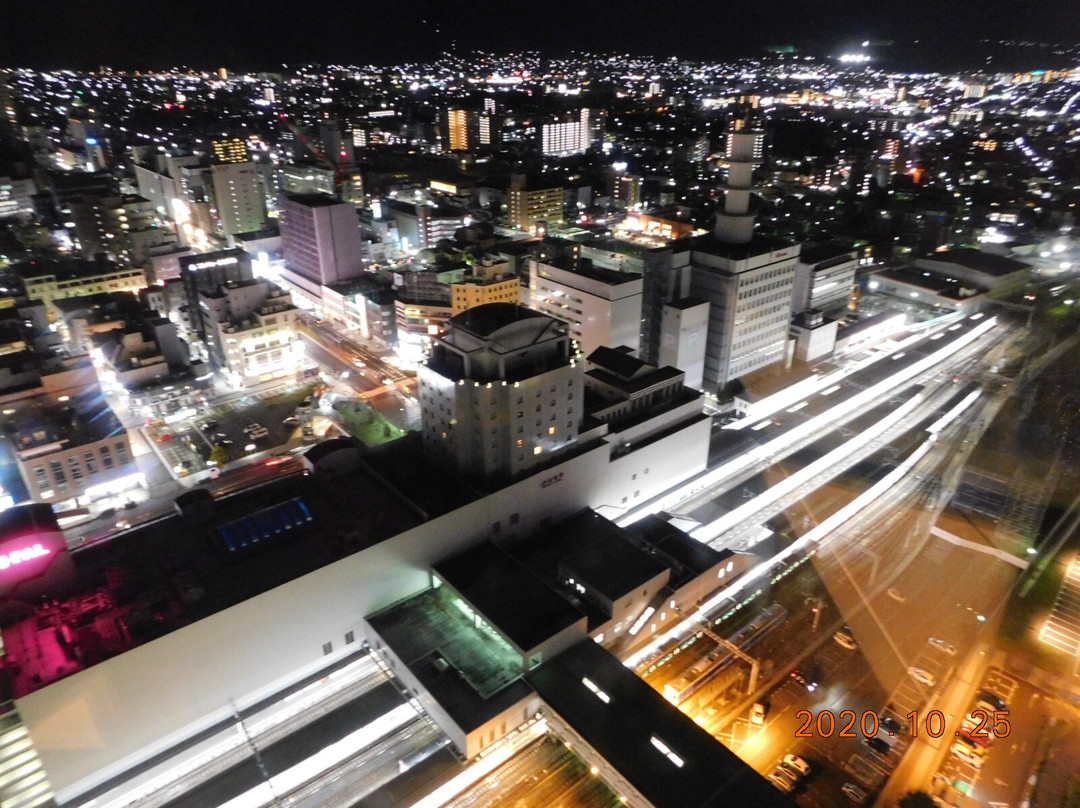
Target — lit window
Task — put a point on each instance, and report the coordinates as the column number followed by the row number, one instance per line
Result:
column 537, row 450
column 551, row 430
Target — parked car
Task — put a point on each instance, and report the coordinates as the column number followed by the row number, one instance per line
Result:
column 783, row 779
column 845, row 639
column 942, row 645
column 208, row 426
column 797, row 764
column 992, row 699
column 975, row 740
column 757, row 713
column 854, row 793
column 291, row 421
column 164, row 437
column 923, row 677
column 878, row 746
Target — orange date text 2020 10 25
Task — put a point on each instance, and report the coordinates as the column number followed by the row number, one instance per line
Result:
column 980, row 724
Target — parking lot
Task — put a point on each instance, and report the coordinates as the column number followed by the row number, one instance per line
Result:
column 185, row 446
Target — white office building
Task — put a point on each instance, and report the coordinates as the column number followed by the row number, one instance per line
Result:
column 502, row 392
column 238, row 198
column 602, row 306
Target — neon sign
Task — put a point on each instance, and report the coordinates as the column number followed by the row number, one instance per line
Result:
column 19, row 556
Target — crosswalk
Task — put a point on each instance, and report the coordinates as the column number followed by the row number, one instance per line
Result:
column 1062, row 628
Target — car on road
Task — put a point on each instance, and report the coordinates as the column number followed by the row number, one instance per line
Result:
column 943, row 645
column 896, row 594
column 854, row 793
column 796, row 764
column 123, row 524
column 783, row 779
column 965, row 753
column 208, row 426
column 806, row 679
column 923, row 677
column 845, row 639
column 164, row 437
column 992, row 699
column 878, row 746
column 757, row 713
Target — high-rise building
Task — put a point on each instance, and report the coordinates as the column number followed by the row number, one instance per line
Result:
column 502, row 391
column 229, row 150
column 602, row 306
column 467, row 129
column 320, row 241
column 747, row 280
column 527, row 207
column 568, row 135
column 204, row 273
column 239, row 198
column 457, row 129
column 251, row 331
column 626, row 191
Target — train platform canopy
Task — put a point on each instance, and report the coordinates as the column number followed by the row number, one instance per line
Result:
column 661, row 753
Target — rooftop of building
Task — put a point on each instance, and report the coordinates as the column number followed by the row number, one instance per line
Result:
column 980, row 261
column 758, row 245
column 847, row 328
column 65, row 270
column 487, row 320
column 938, row 283
column 685, row 556
column 270, row 231
column 685, row 303
column 468, row 669
column 42, row 421
column 822, row 251
column 101, row 307
column 512, row 599
column 661, row 752
column 159, row 576
column 315, row 200
column 587, row 269
column 592, row 549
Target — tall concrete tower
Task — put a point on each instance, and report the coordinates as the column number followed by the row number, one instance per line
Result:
column 735, row 223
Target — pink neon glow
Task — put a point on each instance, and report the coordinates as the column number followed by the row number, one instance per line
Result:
column 19, row 556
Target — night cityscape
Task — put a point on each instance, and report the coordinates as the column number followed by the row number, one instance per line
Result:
column 585, row 407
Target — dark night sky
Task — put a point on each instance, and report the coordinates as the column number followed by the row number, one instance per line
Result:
column 248, row 34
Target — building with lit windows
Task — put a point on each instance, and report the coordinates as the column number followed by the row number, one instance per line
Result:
column 601, row 306
column 423, row 226
column 320, row 242
column 488, row 281
column 502, row 391
column 229, row 150
column 569, row 135
column 530, row 207
column 239, row 198
column 51, row 280
column 824, row 277
column 251, row 333
column 747, row 280
column 70, row 447
column 467, row 129
column 457, row 129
